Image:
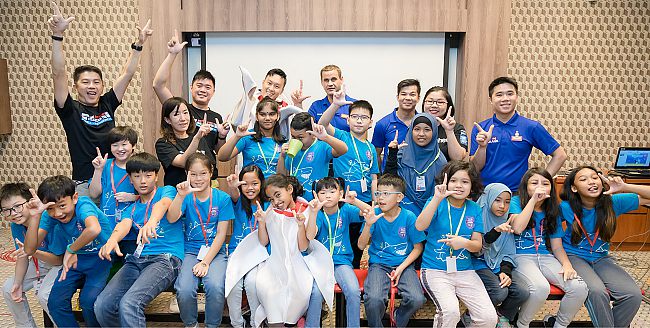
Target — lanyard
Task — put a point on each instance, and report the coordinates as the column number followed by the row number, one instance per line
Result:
column 428, row 166
column 460, row 222
column 329, row 229
column 591, row 242
column 146, row 211
column 294, row 172
column 541, row 233
column 356, row 150
column 196, row 208
column 38, row 271
column 113, row 186
column 275, row 151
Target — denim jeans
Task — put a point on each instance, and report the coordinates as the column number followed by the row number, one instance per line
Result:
column 312, row 318
column 133, row 287
column 506, row 300
column 602, row 276
column 20, row 310
column 235, row 298
column 214, row 284
column 377, row 288
column 90, row 275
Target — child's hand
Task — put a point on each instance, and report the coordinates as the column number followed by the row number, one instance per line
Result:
column 147, row 231
column 616, row 184
column 144, row 33
column 260, row 214
column 318, row 130
column 100, row 161
column 505, row 227
column 20, row 252
column 200, row 269
column 395, row 144
column 205, row 128
column 106, row 250
column 449, row 123
column 242, row 130
column 58, row 23
column 35, row 206
column 315, row 205
column 284, row 149
column 395, row 275
column 350, row 196
column 539, row 195
column 297, row 97
column 126, row 197
column 69, row 261
column 505, row 280
column 455, row 242
column 483, row 137
column 185, row 188
column 223, row 128
column 339, row 97
column 300, row 218
column 370, row 216
column 17, row 293
column 233, row 181
column 568, row 272
column 441, row 191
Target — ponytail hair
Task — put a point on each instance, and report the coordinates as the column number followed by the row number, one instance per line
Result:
column 284, row 181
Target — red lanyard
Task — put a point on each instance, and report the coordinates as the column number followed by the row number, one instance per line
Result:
column 252, row 222
column 541, row 233
column 113, row 186
column 196, row 208
column 591, row 242
column 146, row 211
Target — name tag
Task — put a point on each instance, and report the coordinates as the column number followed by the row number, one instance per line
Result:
column 364, row 185
column 202, row 252
column 138, row 250
column 451, row 264
column 420, row 184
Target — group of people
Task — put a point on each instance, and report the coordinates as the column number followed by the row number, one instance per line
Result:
column 479, row 225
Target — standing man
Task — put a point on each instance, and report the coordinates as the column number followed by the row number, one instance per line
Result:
column 88, row 119
column 331, row 79
column 397, row 122
column 503, row 143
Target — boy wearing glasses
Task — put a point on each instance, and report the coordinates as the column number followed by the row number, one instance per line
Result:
column 41, row 270
column 395, row 243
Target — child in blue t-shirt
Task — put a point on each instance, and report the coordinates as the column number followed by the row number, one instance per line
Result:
column 86, row 229
column 260, row 146
column 535, row 220
column 112, row 185
column 455, row 227
column 205, row 213
column 245, row 193
column 311, row 163
column 154, row 265
column 42, row 270
column 590, row 211
column 395, row 243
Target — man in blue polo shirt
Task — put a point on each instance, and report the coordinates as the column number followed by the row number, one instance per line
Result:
column 501, row 145
column 331, row 79
column 398, row 121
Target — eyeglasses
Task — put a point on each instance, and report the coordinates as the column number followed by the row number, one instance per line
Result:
column 359, row 117
column 16, row 208
column 437, row 102
column 379, row 194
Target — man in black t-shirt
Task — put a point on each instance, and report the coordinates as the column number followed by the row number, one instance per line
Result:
column 88, row 119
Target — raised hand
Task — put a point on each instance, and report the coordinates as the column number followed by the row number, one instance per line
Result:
column 297, row 96
column 454, row 241
column 35, row 206
column 395, row 144
column 106, row 250
column 185, row 188
column 441, row 191
column 315, row 205
column 300, row 217
column 223, row 128
column 449, row 123
column 350, row 195
column 505, row 280
column 233, row 181
column 318, row 130
column 539, row 195
column 144, row 33
column 205, row 128
column 58, row 23
column 616, row 184
column 69, row 262
column 505, row 227
column 483, row 137
column 260, row 214
column 200, row 269
column 338, row 98
column 100, row 161
column 174, row 45
column 370, row 216
column 242, row 130
column 20, row 252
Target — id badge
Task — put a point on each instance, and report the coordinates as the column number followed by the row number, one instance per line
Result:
column 420, row 184
column 364, row 185
column 451, row 264
column 202, row 252
column 138, row 251
column 118, row 216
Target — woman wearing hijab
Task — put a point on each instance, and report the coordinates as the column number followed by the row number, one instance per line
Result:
column 418, row 160
column 496, row 260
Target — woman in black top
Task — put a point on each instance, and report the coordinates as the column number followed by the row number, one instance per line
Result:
column 438, row 103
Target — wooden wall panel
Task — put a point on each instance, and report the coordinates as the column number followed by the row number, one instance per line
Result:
column 5, row 104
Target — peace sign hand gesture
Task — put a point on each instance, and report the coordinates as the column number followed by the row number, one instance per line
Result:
column 394, row 143
column 449, row 123
column 483, row 137
column 441, row 191
column 58, row 23
column 205, row 128
column 260, row 214
column 100, row 161
column 185, row 188
column 174, row 45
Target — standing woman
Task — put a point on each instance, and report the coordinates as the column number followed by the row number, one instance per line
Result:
column 590, row 211
column 179, row 140
column 262, row 145
column 438, row 102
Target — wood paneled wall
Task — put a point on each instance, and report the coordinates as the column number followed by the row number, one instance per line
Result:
column 5, row 105
column 484, row 52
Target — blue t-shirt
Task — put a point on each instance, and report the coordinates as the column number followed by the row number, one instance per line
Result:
column 84, row 209
column 107, row 200
column 335, row 234
column 436, row 253
column 264, row 154
column 622, row 203
column 170, row 235
column 54, row 242
column 384, row 133
column 340, row 120
column 243, row 224
column 524, row 242
column 507, row 153
column 355, row 168
column 221, row 210
column 310, row 165
column 392, row 242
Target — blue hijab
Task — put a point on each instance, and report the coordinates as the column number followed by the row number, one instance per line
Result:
column 427, row 160
column 504, row 247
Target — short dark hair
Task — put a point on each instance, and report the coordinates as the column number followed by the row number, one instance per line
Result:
column 202, row 75
column 301, row 121
column 361, row 104
column 407, row 83
column 20, row 189
column 474, row 176
column 445, row 93
column 86, row 68
column 279, row 72
column 328, row 183
column 142, row 162
column 120, row 133
column 201, row 157
column 392, row 180
column 503, row 80
column 54, row 188
column 283, row 181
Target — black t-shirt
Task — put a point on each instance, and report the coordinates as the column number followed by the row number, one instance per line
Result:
column 461, row 136
column 167, row 152
column 86, row 127
column 212, row 116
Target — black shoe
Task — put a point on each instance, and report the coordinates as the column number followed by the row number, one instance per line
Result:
column 549, row 321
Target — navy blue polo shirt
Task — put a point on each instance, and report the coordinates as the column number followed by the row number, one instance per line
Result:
column 507, row 153
column 340, row 120
column 385, row 133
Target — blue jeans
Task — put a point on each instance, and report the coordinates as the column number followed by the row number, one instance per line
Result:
column 312, row 318
column 347, row 280
column 507, row 300
column 214, row 284
column 137, row 283
column 90, row 275
column 377, row 288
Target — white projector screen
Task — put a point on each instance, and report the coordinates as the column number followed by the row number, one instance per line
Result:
column 372, row 63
